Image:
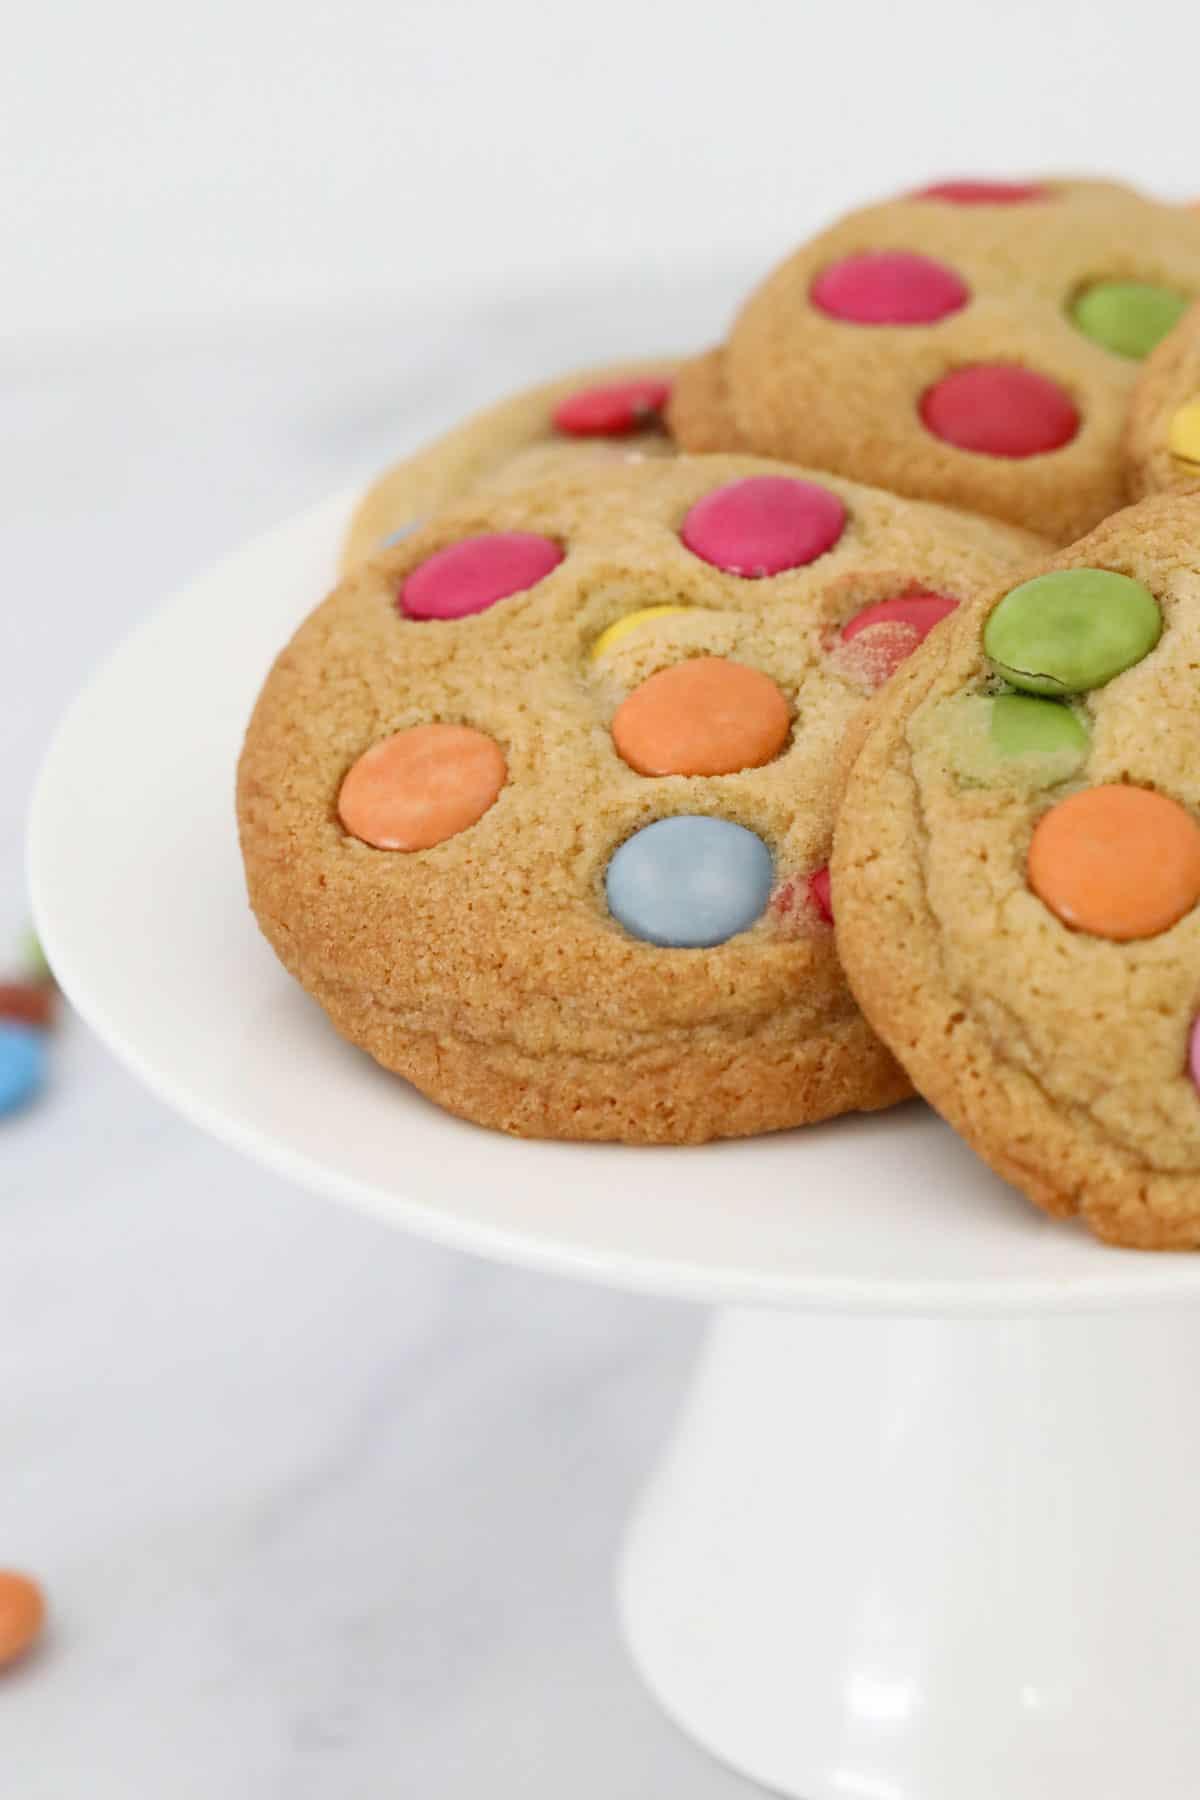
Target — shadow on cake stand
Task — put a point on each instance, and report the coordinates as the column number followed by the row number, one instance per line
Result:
column 926, row 1528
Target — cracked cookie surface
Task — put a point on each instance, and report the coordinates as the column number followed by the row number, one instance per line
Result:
column 611, row 918
column 518, row 441
column 1016, row 874
column 966, row 345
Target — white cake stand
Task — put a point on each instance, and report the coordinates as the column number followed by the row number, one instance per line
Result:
column 928, row 1527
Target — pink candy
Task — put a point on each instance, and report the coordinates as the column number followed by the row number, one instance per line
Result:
column 983, row 193
column 764, row 525
column 889, row 287
column 920, row 609
column 612, row 411
column 473, row 574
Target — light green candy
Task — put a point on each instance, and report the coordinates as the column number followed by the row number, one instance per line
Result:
column 34, row 957
column 1130, row 317
column 1023, row 726
column 1071, row 631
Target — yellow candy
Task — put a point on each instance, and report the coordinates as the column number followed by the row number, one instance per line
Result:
column 1183, row 437
column 623, row 627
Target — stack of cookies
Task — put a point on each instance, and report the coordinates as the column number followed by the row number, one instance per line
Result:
column 700, row 749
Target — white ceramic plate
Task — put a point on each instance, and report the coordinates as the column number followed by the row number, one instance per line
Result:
column 138, row 895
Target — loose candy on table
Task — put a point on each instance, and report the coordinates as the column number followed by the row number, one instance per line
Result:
column 22, row 1064
column 689, row 882
column 1116, row 861
column 614, row 410
column 34, row 958
column 1071, row 630
column 1183, row 433
column 621, row 628
column 889, row 287
column 705, row 716
column 764, row 525
column 29, row 1003
column 473, row 574
column 1129, row 317
column 1000, row 409
column 22, row 1615
column 422, row 786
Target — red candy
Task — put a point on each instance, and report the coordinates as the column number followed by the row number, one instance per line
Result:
column 889, row 287
column 884, row 634
column 612, row 411
column 1000, row 409
column 763, row 525
column 921, row 610
column 819, row 894
column 983, row 193
column 473, row 574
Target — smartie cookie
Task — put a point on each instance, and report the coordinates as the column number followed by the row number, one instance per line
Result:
column 1017, row 870
column 538, row 804
column 975, row 343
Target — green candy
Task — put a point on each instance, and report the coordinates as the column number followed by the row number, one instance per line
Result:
column 34, row 957
column 1130, row 317
column 1023, row 726
column 1071, row 631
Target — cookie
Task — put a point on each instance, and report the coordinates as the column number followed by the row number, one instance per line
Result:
column 1016, row 874
column 975, row 344
column 538, row 803
column 699, row 410
column 1163, row 434
column 592, row 415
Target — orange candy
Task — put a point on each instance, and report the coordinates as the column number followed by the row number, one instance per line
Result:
column 419, row 787
column 706, row 716
column 22, row 1612
column 1118, row 862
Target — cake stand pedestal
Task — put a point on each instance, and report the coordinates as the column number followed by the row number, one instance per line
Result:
column 926, row 1530
column 920, row 1560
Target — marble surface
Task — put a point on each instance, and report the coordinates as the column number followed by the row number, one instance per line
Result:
column 324, row 1513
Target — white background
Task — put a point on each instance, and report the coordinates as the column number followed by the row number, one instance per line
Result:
column 326, row 1514
column 161, row 159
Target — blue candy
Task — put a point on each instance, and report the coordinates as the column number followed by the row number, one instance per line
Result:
column 689, row 882
column 398, row 537
column 22, row 1064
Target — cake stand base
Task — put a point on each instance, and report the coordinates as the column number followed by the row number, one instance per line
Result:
column 898, row 1559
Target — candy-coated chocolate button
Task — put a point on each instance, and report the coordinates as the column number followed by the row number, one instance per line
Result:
column 398, row 537
column 29, row 1002
column 1183, row 434
column 689, row 882
column 473, row 574
column 820, row 894
column 706, row 716
column 421, row 786
column 889, row 287
column 621, row 628
column 22, row 1064
column 1021, row 725
column 763, row 525
column 983, row 193
column 612, row 411
column 887, row 631
column 1194, row 1053
column 1000, row 409
column 1130, row 317
column 22, row 1614
column 1072, row 630
column 1117, row 862
column 920, row 611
